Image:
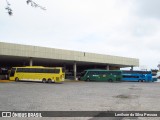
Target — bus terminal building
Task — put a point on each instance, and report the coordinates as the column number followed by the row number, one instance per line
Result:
column 73, row 61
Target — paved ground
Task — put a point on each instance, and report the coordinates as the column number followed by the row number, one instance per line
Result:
column 80, row 96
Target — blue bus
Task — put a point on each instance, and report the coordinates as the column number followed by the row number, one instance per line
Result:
column 137, row 76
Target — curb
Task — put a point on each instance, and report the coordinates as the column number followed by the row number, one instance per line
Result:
column 73, row 81
column 5, row 81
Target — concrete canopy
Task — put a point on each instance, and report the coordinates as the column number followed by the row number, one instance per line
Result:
column 18, row 55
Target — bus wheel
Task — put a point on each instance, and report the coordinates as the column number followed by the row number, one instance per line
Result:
column 118, row 79
column 142, row 81
column 110, row 80
column 88, row 80
column 43, row 80
column 49, row 81
column 17, row 79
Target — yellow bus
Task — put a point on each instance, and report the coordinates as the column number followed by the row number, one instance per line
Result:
column 37, row 73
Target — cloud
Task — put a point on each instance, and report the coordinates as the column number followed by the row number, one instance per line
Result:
column 148, row 8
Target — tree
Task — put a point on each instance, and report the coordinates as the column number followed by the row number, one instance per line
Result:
column 8, row 8
column 29, row 2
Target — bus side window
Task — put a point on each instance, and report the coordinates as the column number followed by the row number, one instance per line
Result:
column 19, row 70
column 90, row 73
column 56, row 70
column 94, row 73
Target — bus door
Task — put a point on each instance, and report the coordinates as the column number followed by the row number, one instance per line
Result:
column 110, row 76
column 83, row 75
column 148, row 78
column 12, row 73
column 103, row 76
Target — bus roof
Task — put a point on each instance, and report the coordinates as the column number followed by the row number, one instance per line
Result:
column 36, row 67
column 30, row 67
column 137, row 71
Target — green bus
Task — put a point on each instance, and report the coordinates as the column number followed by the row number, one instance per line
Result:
column 101, row 75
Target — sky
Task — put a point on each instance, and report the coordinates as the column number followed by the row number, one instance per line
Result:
column 128, row 28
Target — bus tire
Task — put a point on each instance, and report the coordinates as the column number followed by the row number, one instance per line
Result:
column 16, row 79
column 43, row 80
column 87, row 79
column 118, row 79
column 49, row 80
column 110, row 80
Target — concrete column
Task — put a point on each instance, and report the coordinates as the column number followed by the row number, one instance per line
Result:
column 30, row 62
column 64, row 67
column 107, row 67
column 75, row 70
column 131, row 68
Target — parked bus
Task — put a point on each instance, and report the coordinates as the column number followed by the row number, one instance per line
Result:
column 154, row 77
column 154, row 74
column 137, row 76
column 158, row 75
column 37, row 73
column 101, row 75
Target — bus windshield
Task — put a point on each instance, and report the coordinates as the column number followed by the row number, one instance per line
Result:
column 83, row 73
column 12, row 72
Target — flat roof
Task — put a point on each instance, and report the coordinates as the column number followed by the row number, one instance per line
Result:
column 10, row 51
